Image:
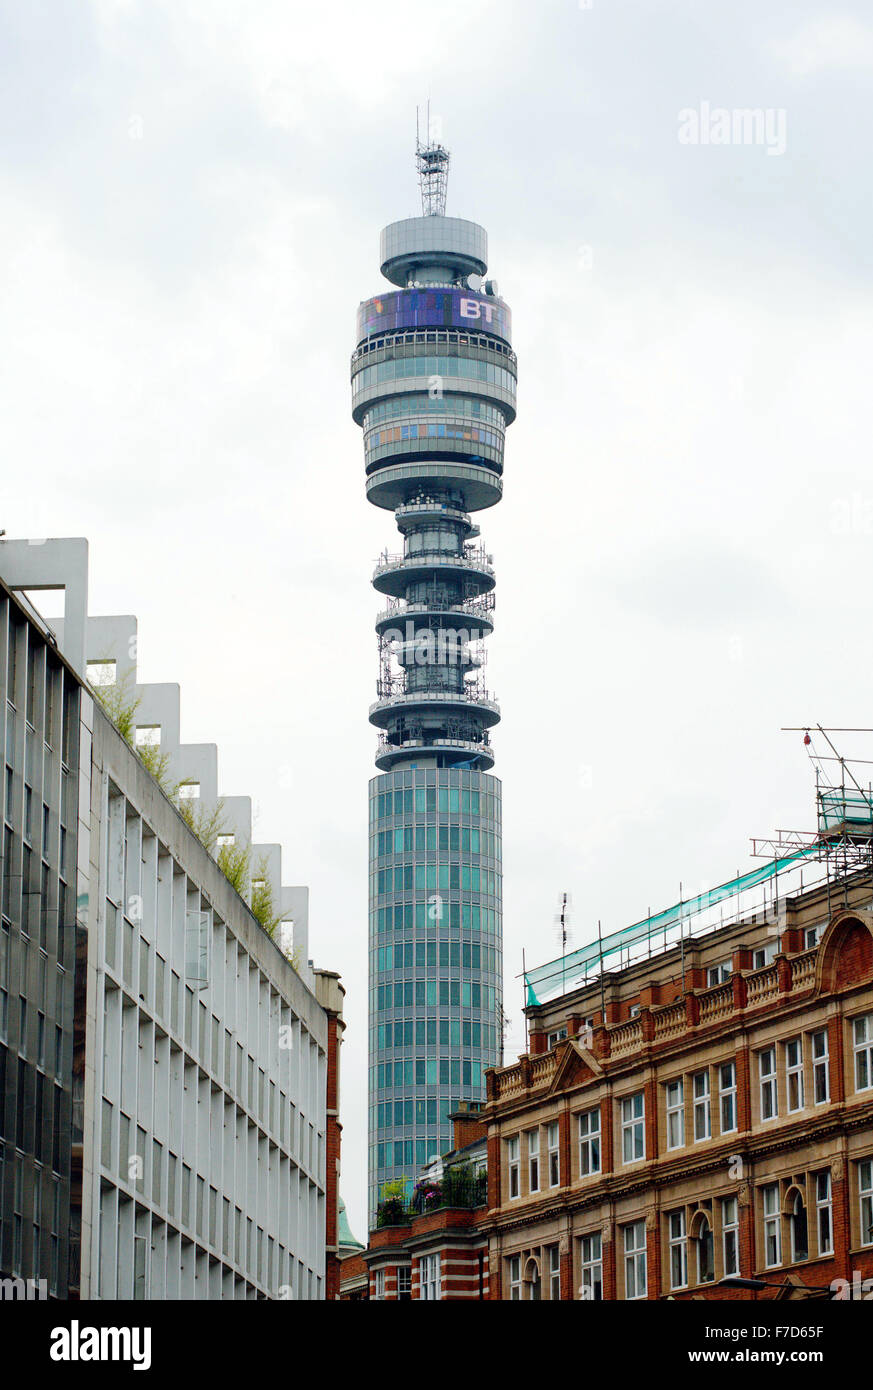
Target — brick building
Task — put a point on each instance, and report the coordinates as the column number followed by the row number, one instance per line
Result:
column 704, row 1112
column 431, row 1247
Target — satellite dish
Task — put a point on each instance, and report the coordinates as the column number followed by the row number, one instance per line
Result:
column 491, row 287
column 475, row 283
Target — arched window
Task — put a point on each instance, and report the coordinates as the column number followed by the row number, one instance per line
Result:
column 799, row 1234
column 705, row 1253
column 532, row 1279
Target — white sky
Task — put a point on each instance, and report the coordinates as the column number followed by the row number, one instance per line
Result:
column 191, row 193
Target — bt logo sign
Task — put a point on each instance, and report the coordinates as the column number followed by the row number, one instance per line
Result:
column 477, row 309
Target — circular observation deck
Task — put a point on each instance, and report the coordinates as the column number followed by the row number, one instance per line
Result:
column 448, row 704
column 450, row 751
column 472, row 618
column 394, row 484
column 394, row 575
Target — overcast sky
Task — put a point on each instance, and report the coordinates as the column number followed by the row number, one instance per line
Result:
column 191, row 194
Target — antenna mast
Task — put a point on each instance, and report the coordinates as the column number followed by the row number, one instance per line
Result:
column 432, row 163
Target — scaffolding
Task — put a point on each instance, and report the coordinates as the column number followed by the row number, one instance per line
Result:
column 841, row 846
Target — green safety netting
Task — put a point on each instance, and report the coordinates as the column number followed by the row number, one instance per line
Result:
column 568, row 970
column 841, row 808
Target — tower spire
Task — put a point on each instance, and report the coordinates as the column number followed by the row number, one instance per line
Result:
column 432, row 163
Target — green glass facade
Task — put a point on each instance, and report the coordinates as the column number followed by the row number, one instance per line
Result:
column 435, row 1002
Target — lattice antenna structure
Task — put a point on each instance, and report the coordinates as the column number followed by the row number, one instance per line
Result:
column 432, row 163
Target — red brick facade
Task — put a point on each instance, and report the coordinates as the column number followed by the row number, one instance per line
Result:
column 330, row 995
column 674, row 1195
column 439, row 1254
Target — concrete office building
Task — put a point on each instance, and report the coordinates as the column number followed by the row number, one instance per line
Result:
column 185, row 1074
column 433, row 389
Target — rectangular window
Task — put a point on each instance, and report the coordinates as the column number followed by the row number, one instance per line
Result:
column 554, row 1038
column 678, row 1250
column 865, row 1194
column 863, row 1040
column 702, row 1106
column 794, row 1074
column 554, row 1272
column 591, row 1286
column 730, row 1235
column 633, row 1128
column 718, row 974
column 821, row 1082
column 824, row 1212
column 514, row 1263
column 675, row 1114
column 635, row 1260
column 513, row 1165
column 533, row 1160
column 404, row 1283
column 764, row 955
column 772, row 1226
column 429, row 1277
column 100, row 673
column 767, row 1077
column 589, row 1142
column 554, row 1156
column 378, row 1284
column 727, row 1095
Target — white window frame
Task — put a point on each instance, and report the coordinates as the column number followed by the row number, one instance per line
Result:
column 378, row 1285
column 762, row 956
column 702, row 1095
column 675, row 1111
column 513, row 1168
column 558, row 1035
column 862, row 1039
column 677, row 1239
column 767, row 1083
column 772, row 1224
column 794, row 1097
column 554, row 1272
column 730, row 1234
column 514, row 1263
column 821, row 1066
column 718, row 974
column 429, row 1283
column 589, row 1142
column 865, row 1200
column 824, row 1211
column 727, row 1095
column 633, row 1127
column 404, row 1280
column 553, row 1141
column 591, row 1266
column 532, row 1138
column 635, row 1277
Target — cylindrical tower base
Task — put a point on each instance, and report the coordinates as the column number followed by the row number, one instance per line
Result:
column 435, row 952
